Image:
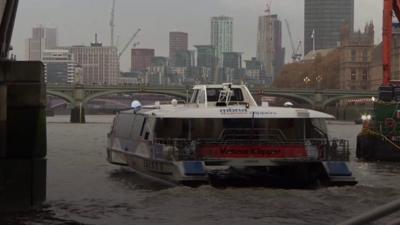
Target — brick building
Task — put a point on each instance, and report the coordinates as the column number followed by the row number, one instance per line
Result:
column 141, row 59
column 178, row 41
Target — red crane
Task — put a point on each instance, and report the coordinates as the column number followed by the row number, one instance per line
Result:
column 390, row 7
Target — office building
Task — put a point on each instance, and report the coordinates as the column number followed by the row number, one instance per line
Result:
column 34, row 49
column 42, row 38
column 59, row 66
column 222, row 36
column 206, row 56
column 232, row 66
column 141, row 59
column 100, row 64
column 184, row 58
column 178, row 41
column 157, row 72
column 232, row 60
column 253, row 71
column 323, row 20
column 48, row 34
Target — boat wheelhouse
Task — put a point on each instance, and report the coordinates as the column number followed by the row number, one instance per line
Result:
column 223, row 137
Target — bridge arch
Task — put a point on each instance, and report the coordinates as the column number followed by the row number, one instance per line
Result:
column 294, row 97
column 338, row 98
column 105, row 93
column 61, row 95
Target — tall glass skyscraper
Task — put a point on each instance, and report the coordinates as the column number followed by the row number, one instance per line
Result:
column 222, row 35
column 325, row 18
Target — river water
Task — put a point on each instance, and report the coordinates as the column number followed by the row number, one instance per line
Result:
column 84, row 189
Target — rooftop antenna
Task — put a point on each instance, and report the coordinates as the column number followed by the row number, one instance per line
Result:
column 112, row 23
column 268, row 9
column 96, row 43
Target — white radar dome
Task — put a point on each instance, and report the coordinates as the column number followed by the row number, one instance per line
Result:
column 136, row 105
column 288, row 104
column 174, row 102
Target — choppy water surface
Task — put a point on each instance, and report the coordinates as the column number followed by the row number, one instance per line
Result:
column 84, row 189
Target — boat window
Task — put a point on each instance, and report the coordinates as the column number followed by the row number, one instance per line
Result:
column 123, row 125
column 194, row 96
column 271, row 129
column 232, row 129
column 213, row 94
column 320, row 124
column 136, row 126
column 201, row 98
column 141, row 130
column 172, row 128
column 316, row 128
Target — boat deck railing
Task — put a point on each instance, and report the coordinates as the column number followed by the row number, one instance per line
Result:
column 316, row 149
column 253, row 134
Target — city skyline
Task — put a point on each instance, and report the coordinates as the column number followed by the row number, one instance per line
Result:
column 158, row 18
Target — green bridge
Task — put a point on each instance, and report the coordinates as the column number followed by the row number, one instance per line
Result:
column 79, row 95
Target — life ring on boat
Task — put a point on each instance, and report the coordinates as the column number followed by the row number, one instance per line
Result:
column 390, row 122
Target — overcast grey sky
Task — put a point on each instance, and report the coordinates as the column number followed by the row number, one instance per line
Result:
column 78, row 20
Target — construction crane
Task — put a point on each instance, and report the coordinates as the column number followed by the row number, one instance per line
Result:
column 298, row 51
column 112, row 23
column 129, row 42
column 296, row 56
column 390, row 7
column 135, row 44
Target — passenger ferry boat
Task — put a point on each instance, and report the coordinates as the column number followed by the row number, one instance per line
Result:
column 222, row 137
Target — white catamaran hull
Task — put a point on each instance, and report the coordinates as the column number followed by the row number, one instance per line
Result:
column 222, row 137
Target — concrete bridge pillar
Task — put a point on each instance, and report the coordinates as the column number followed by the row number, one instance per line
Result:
column 78, row 113
column 22, row 135
column 318, row 102
column 78, row 109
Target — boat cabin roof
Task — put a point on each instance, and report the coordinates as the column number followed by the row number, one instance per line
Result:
column 185, row 111
column 225, row 101
column 211, row 95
